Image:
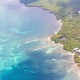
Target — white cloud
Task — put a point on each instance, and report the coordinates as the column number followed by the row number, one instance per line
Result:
column 11, row 4
column 3, row 2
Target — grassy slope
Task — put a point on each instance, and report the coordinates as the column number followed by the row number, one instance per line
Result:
column 48, row 4
column 71, row 25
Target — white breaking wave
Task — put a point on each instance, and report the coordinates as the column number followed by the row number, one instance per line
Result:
column 34, row 40
column 42, row 47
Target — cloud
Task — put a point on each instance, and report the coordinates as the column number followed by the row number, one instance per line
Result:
column 11, row 15
column 10, row 4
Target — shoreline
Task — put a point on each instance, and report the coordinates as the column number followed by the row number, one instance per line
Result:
column 56, row 32
column 61, row 24
column 59, row 21
column 74, row 67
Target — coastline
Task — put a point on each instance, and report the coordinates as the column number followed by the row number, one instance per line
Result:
column 74, row 66
column 61, row 24
column 56, row 32
column 49, row 38
column 31, row 51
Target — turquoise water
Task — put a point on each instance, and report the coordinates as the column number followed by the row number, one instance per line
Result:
column 25, row 51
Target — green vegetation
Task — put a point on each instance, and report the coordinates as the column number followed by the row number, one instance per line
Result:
column 52, row 5
column 77, row 59
column 67, row 11
column 71, row 31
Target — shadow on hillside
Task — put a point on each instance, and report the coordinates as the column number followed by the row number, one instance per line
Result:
column 27, row 1
column 73, row 4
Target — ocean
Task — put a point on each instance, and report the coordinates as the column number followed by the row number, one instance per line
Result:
column 26, row 51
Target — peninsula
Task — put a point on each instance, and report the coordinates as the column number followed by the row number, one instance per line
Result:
column 68, row 12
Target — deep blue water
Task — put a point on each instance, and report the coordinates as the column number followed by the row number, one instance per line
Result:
column 25, row 52
column 34, row 68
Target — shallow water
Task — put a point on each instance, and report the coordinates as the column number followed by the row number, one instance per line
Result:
column 25, row 51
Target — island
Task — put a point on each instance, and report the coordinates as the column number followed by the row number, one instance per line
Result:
column 69, row 13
